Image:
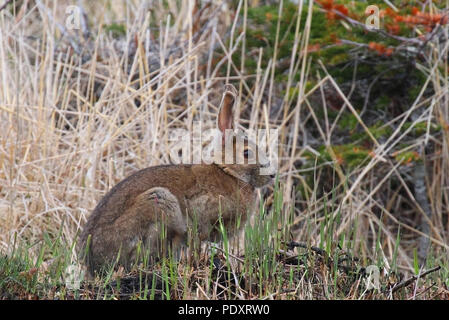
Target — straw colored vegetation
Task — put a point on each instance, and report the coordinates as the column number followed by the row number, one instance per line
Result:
column 363, row 119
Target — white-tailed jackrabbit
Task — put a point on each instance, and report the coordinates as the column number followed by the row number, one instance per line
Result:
column 155, row 205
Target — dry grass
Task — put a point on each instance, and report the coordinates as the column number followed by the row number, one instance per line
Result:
column 76, row 123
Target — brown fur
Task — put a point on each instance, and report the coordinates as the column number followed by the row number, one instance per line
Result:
column 173, row 196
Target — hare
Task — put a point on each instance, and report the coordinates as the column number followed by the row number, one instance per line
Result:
column 154, row 206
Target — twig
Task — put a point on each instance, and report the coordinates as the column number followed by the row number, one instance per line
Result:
column 382, row 32
column 422, row 292
column 370, row 87
column 228, row 253
column 405, row 283
column 73, row 43
column 5, row 4
column 294, row 244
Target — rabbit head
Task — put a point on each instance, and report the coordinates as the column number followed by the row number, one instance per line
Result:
column 240, row 156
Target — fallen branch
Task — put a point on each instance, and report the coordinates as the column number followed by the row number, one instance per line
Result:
column 405, row 283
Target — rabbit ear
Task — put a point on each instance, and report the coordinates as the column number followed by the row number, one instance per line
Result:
column 225, row 116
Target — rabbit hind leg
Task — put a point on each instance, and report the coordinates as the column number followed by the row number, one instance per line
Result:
column 166, row 229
